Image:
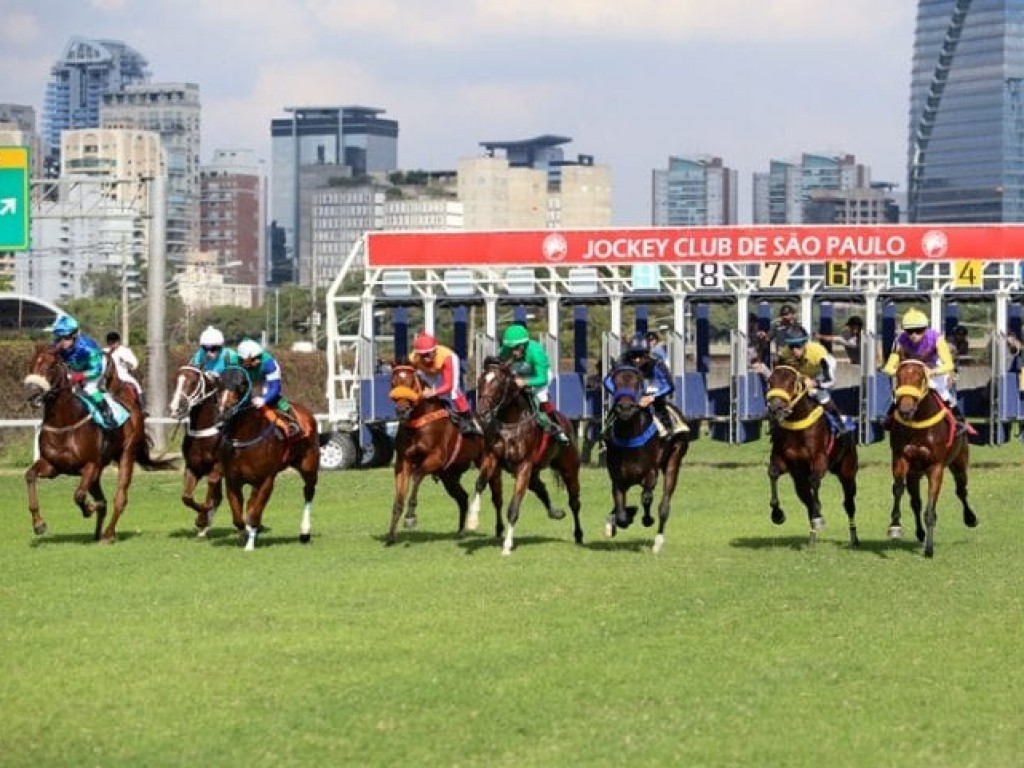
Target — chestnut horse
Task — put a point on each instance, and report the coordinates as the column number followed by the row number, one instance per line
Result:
column 636, row 454
column 71, row 443
column 428, row 443
column 195, row 397
column 253, row 451
column 924, row 441
column 804, row 446
column 523, row 448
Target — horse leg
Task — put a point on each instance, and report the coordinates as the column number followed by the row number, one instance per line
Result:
column 496, row 499
column 414, row 500
column 488, row 470
column 236, row 502
column 848, row 479
column 931, row 512
column 647, row 497
column 402, row 471
column 99, row 503
column 451, row 480
column 523, row 480
column 125, row 469
column 618, row 514
column 541, row 492
column 776, row 469
column 807, row 485
column 571, row 477
column 914, row 489
column 214, row 493
column 254, row 510
column 671, row 477
column 959, row 470
column 191, row 480
column 41, row 468
column 310, row 471
column 899, row 485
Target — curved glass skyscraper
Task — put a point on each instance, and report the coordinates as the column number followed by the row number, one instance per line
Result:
column 966, row 160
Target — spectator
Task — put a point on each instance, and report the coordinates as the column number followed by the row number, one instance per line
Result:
column 658, row 349
column 959, row 344
column 777, row 333
column 850, row 339
column 127, row 364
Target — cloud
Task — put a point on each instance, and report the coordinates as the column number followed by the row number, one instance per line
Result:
column 20, row 29
column 110, row 6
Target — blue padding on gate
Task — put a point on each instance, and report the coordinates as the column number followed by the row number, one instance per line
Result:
column 1010, row 404
column 879, row 395
column 750, row 397
column 692, row 395
column 572, row 400
column 374, row 402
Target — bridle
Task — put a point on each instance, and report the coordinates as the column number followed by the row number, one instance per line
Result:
column 789, row 396
column 203, row 388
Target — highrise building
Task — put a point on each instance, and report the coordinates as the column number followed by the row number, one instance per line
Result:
column 784, row 192
column 694, row 191
column 86, row 70
column 309, row 148
column 171, row 110
column 966, row 143
column 18, row 129
column 232, row 215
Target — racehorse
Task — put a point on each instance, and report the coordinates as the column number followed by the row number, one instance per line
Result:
column 804, row 446
column 195, row 396
column 636, row 454
column 428, row 443
column 253, row 452
column 71, row 443
column 924, row 440
column 523, row 448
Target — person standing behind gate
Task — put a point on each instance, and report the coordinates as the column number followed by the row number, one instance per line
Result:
column 849, row 339
column 127, row 364
column 777, row 333
column 532, row 369
column 439, row 367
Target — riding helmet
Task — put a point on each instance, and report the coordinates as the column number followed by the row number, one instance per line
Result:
column 796, row 336
column 211, row 337
column 249, row 349
column 637, row 346
column 515, row 335
column 424, row 344
column 915, row 320
column 65, row 326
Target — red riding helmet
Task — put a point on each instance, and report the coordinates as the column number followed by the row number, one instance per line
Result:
column 424, row 344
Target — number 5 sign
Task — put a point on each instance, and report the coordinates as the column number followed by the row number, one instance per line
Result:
column 903, row 274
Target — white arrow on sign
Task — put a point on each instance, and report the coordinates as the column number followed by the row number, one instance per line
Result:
column 8, row 205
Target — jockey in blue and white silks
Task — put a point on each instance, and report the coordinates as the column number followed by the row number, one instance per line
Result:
column 265, row 376
column 212, row 356
column 84, row 359
column 658, row 385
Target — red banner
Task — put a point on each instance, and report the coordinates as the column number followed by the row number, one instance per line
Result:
column 555, row 248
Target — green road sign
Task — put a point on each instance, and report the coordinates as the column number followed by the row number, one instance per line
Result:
column 14, row 199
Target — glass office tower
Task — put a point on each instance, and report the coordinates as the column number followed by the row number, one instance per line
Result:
column 966, row 149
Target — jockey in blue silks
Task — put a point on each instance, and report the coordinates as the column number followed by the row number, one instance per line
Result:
column 84, row 359
column 659, row 387
column 264, row 374
column 212, row 356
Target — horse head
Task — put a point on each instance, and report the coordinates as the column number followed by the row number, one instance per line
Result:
column 235, row 391
column 192, row 387
column 910, row 386
column 406, row 390
column 47, row 375
column 785, row 389
column 628, row 387
column 495, row 390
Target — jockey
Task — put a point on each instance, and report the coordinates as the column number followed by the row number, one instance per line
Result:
column 919, row 342
column 84, row 359
column 658, row 386
column 265, row 376
column 818, row 368
column 212, row 356
column 439, row 367
column 126, row 363
column 532, row 369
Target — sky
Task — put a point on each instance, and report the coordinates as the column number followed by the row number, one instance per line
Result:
column 632, row 82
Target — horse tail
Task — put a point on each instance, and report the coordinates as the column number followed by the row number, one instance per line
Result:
column 145, row 459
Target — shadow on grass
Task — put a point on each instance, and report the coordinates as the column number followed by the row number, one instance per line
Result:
column 489, row 541
column 49, row 539
column 879, row 547
column 618, row 544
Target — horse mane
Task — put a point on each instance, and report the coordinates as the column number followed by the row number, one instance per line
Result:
column 493, row 361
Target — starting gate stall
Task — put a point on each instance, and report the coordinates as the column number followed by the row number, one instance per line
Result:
column 692, row 271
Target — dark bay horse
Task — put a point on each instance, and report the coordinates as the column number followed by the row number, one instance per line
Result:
column 253, row 451
column 924, row 441
column 195, row 397
column 804, row 446
column 428, row 443
column 523, row 448
column 71, row 443
column 636, row 454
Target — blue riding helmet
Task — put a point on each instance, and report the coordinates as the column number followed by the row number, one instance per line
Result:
column 637, row 345
column 796, row 337
column 64, row 327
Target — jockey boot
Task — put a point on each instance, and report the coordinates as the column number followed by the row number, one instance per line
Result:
column 835, row 417
column 548, row 410
column 660, row 420
column 677, row 422
column 105, row 413
column 962, row 425
column 466, row 423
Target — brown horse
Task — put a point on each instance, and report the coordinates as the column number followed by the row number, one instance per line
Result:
column 523, row 448
column 253, row 451
column 804, row 446
column 71, row 443
column 195, row 397
column 636, row 454
column 924, row 441
column 429, row 444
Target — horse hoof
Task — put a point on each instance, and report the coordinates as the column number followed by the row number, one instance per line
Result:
column 929, row 552
column 778, row 516
column 556, row 514
column 609, row 529
column 659, row 542
column 107, row 540
column 648, row 521
column 817, row 523
column 895, row 532
column 305, row 538
column 201, row 533
column 410, row 523
column 39, row 530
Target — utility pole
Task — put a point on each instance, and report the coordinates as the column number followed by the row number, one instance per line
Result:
column 156, row 345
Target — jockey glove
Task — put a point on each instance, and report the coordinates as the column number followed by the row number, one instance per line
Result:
column 77, row 377
column 257, row 402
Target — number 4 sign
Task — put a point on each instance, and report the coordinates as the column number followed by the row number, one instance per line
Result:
column 969, row 274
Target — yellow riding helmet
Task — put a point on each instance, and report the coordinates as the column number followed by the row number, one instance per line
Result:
column 915, row 320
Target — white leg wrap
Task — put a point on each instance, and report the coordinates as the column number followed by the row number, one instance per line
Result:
column 250, row 545
column 306, row 526
column 507, row 548
column 473, row 520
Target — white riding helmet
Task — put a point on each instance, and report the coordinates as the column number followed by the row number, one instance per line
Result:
column 211, row 337
column 249, row 349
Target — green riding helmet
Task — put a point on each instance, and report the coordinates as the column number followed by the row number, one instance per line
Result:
column 515, row 335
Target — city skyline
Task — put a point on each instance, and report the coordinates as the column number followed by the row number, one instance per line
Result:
column 769, row 81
